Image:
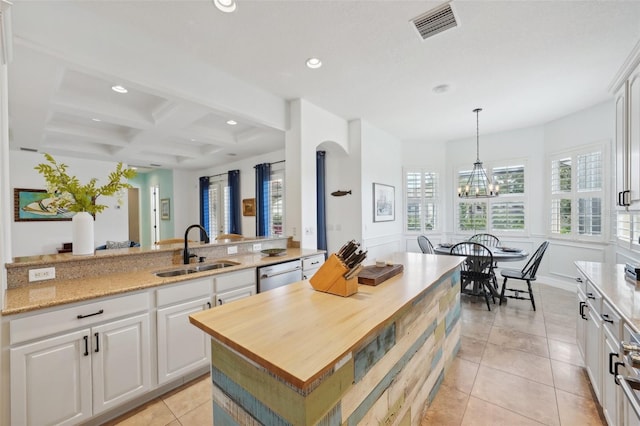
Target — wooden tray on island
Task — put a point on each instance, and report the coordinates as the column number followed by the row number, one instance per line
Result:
column 374, row 275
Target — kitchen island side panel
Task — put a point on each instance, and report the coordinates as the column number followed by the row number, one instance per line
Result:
column 391, row 377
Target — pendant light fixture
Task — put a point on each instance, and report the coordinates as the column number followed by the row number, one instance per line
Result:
column 478, row 185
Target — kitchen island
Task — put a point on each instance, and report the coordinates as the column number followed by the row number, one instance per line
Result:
column 293, row 355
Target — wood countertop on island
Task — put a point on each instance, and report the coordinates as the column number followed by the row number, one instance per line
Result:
column 299, row 334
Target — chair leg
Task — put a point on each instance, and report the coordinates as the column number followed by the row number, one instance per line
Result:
column 486, row 296
column 504, row 284
column 533, row 303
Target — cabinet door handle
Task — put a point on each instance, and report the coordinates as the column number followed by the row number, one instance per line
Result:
column 605, row 318
column 591, row 296
column 209, row 305
column 582, row 306
column 219, row 301
column 615, row 371
column 97, row 343
column 611, row 355
column 579, row 279
column 86, row 345
column 101, row 311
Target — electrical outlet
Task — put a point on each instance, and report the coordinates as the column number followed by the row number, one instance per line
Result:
column 257, row 247
column 232, row 249
column 42, row 274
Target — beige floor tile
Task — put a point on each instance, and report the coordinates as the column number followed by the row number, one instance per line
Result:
column 447, row 408
column 153, row 413
column 476, row 330
column 174, row 423
column 565, row 352
column 514, row 339
column 471, row 349
column 511, row 311
column 187, row 399
column 571, row 378
column 520, row 363
column 461, row 375
column 525, row 397
column 577, row 411
column 201, row 415
column 482, row 413
column 567, row 318
column 476, row 315
column 564, row 333
column 526, row 325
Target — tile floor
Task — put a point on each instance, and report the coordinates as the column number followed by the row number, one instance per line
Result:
column 515, row 367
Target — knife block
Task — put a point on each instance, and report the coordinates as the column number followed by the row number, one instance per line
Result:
column 330, row 278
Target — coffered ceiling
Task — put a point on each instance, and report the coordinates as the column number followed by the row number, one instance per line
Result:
column 190, row 68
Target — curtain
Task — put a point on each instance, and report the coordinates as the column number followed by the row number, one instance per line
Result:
column 204, row 206
column 263, row 177
column 235, row 220
column 320, row 200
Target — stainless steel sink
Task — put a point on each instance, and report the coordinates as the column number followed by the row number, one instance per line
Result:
column 184, row 270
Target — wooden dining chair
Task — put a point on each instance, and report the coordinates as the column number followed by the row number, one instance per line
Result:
column 528, row 274
column 477, row 270
column 425, row 245
column 488, row 240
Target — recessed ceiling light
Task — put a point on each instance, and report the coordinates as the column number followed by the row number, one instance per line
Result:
column 96, row 119
column 193, row 139
column 226, row 6
column 119, row 89
column 232, row 122
column 314, row 63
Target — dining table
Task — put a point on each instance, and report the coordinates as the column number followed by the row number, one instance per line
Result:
column 500, row 254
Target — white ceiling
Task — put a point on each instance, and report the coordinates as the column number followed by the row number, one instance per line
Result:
column 190, row 68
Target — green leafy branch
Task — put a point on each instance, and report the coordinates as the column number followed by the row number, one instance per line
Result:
column 68, row 193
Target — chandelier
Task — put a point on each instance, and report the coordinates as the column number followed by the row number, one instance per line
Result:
column 478, row 185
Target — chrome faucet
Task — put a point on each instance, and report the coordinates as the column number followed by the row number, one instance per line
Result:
column 186, row 253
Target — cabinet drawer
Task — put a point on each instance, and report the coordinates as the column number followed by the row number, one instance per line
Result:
column 235, row 280
column 611, row 321
column 81, row 315
column 313, row 262
column 192, row 289
column 594, row 298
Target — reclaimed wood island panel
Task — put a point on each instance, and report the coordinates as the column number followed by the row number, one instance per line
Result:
column 296, row 356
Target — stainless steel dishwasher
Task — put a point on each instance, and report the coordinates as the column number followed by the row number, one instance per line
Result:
column 273, row 276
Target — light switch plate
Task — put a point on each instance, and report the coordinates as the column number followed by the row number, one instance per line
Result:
column 232, row 249
column 257, row 247
column 42, row 274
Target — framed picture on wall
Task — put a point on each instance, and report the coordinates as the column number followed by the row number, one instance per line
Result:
column 249, row 207
column 35, row 205
column 383, row 203
column 165, row 209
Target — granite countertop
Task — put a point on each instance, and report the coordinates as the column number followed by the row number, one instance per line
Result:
column 621, row 292
column 58, row 292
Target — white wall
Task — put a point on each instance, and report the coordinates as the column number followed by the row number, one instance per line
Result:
column 34, row 238
column 186, row 207
column 381, row 162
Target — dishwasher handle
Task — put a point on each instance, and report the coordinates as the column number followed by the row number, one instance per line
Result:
column 264, row 276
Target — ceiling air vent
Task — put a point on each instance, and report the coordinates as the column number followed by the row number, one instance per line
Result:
column 22, row 148
column 435, row 21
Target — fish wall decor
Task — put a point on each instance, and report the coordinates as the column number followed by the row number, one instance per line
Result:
column 340, row 193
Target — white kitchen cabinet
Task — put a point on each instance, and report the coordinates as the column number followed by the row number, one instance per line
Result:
column 79, row 372
column 610, row 388
column 182, row 348
column 235, row 286
column 627, row 142
column 120, row 361
column 51, row 380
column 581, row 322
column 311, row 264
column 594, row 339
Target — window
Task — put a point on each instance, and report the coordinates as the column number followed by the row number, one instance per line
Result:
column 421, row 201
column 218, row 207
column 577, row 194
column 276, row 203
column 505, row 213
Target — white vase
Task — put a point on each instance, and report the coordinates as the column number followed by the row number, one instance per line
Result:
column 82, row 224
